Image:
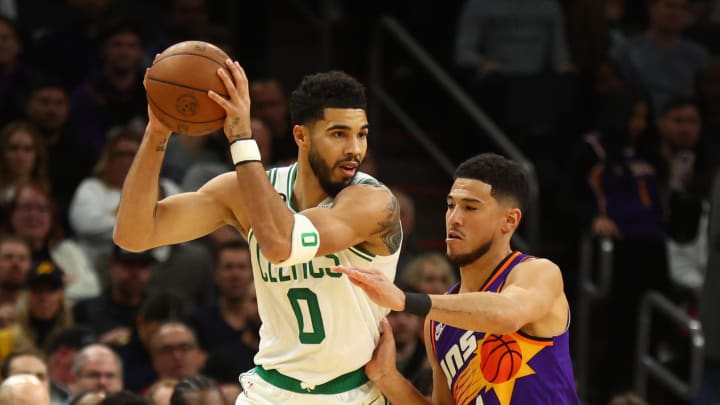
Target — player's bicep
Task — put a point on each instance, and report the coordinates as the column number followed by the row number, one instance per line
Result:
column 361, row 215
column 533, row 287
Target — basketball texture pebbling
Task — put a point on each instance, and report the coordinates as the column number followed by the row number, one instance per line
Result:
column 177, row 85
column 500, row 358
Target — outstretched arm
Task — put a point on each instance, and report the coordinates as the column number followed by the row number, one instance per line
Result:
column 529, row 293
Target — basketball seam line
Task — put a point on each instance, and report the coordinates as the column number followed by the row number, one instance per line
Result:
column 178, row 118
column 184, row 86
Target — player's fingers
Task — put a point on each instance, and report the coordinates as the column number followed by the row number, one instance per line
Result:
column 219, row 99
column 228, row 82
column 243, row 82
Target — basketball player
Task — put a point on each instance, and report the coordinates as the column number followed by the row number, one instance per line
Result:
column 318, row 329
column 501, row 335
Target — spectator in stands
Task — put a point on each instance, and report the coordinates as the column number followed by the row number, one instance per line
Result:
column 97, row 368
column 594, row 28
column 233, row 358
column 270, row 104
column 15, row 77
column 156, row 309
column 23, row 390
column 114, row 97
column 63, row 348
column 15, row 265
column 175, row 352
column 23, row 158
column 32, row 216
column 112, row 314
column 661, row 60
column 222, row 323
column 47, row 106
column 428, row 273
column 411, row 356
column 92, row 210
column 197, row 390
column 43, row 312
column 685, row 176
column 25, row 363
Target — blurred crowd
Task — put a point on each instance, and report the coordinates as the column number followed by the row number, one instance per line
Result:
column 617, row 102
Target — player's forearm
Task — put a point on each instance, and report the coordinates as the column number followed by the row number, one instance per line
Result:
column 399, row 391
column 134, row 224
column 481, row 311
column 269, row 217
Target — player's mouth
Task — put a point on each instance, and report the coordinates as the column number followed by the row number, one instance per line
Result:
column 453, row 236
column 348, row 168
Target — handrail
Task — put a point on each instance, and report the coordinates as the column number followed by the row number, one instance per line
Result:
column 646, row 365
column 589, row 291
column 393, row 27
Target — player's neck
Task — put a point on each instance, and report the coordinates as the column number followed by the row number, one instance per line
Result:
column 307, row 191
column 474, row 275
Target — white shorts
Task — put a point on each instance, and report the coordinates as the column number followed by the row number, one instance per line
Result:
column 257, row 391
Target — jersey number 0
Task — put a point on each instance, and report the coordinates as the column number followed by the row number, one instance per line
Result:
column 305, row 305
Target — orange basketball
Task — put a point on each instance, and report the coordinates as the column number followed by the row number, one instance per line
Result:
column 500, row 358
column 177, row 85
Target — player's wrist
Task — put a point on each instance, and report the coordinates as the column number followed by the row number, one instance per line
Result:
column 244, row 150
column 417, row 304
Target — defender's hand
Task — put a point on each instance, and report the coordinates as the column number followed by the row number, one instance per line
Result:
column 384, row 357
column 380, row 290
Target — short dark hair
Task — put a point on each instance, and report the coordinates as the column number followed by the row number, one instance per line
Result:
column 5, row 367
column 189, row 385
column 234, row 244
column 162, row 306
column 507, row 178
column 334, row 89
column 677, row 102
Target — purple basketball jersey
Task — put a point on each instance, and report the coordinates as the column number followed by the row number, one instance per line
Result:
column 508, row 369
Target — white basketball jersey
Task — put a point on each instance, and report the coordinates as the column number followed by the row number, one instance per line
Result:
column 316, row 325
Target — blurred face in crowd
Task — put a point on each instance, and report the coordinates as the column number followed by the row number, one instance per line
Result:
column 433, row 279
column 123, row 52
column 270, row 105
column 638, row 121
column 60, row 365
column 175, row 353
column 233, row 273
column 31, row 219
column 19, row 154
column 680, row 127
column 45, row 301
column 405, row 327
column 15, row 263
column 9, row 44
column 48, row 108
column 189, row 13
column 100, row 371
column 30, row 364
column 119, row 161
column 130, row 277
column 669, row 16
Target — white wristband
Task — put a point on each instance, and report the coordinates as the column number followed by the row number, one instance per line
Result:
column 244, row 150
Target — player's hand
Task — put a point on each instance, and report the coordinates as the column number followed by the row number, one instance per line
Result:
column 237, row 107
column 604, row 226
column 380, row 290
column 384, row 357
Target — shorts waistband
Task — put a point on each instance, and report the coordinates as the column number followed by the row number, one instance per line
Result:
column 345, row 382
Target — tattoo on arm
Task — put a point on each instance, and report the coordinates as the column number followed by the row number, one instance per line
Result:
column 237, row 136
column 161, row 146
column 389, row 226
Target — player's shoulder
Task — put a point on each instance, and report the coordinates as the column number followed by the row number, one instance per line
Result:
column 538, row 264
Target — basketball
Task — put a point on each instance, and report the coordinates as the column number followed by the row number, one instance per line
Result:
column 500, row 358
column 177, row 85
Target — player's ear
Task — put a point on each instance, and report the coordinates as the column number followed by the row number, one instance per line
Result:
column 301, row 134
column 512, row 220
